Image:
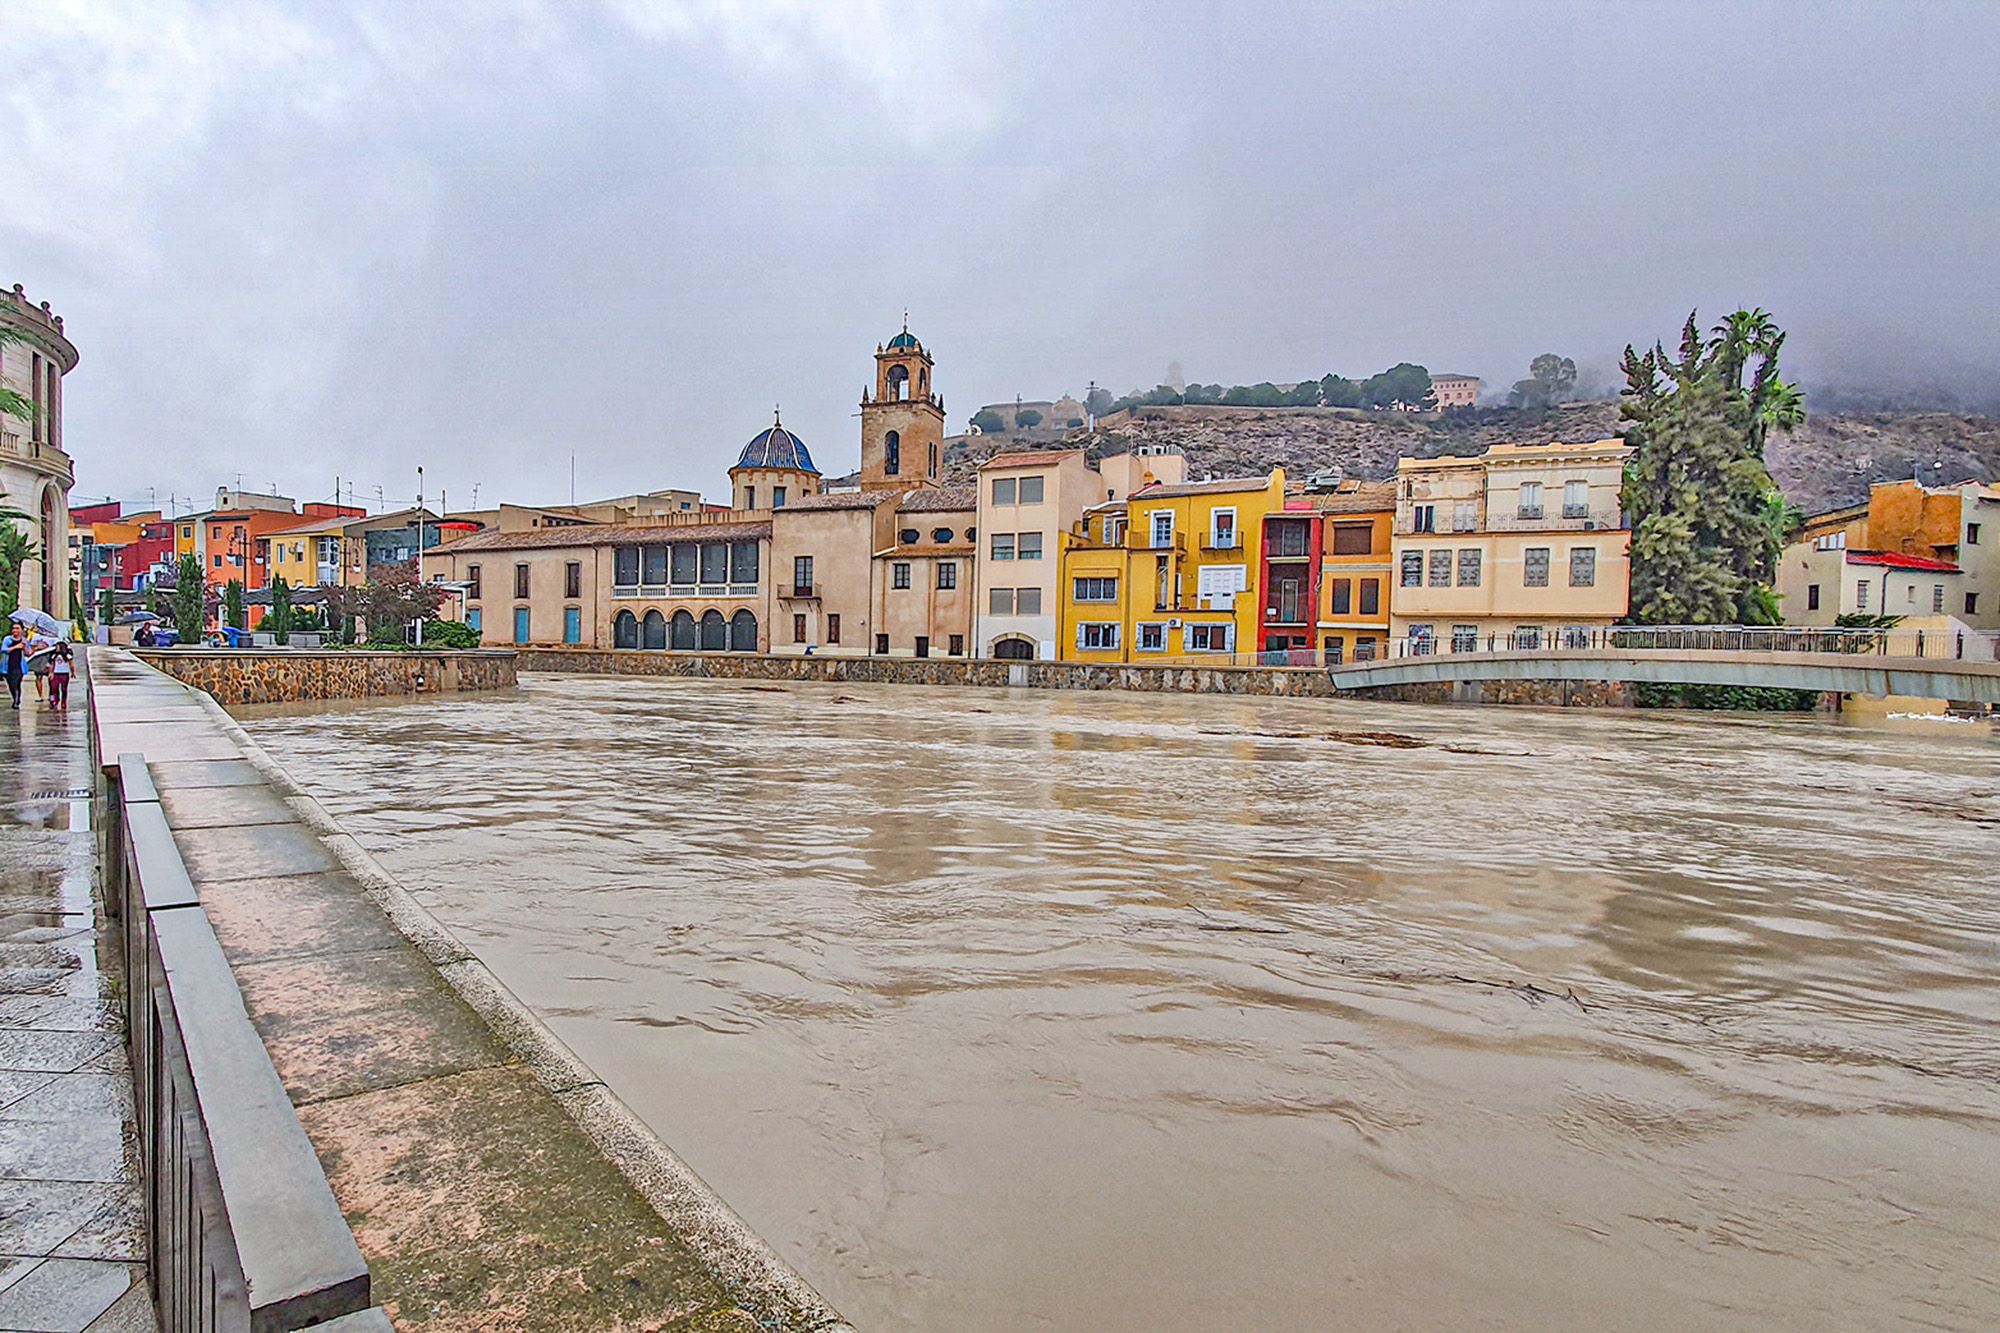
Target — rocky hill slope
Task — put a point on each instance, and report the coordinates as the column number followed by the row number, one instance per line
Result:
column 1830, row 462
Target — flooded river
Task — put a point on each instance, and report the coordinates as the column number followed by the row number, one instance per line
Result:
column 1015, row 1010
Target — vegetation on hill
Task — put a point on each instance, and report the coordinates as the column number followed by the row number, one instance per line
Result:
column 1404, row 385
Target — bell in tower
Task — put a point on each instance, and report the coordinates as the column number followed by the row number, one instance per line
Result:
column 902, row 423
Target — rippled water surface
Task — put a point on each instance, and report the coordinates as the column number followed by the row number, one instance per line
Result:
column 997, row 1011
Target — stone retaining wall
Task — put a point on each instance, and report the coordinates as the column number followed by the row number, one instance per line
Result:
column 289, row 675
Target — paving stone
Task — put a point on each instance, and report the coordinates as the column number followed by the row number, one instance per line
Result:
column 171, row 775
column 16, row 1084
column 59, row 1013
column 71, row 1096
column 224, row 807
column 57, row 1052
column 351, row 1023
column 296, row 916
column 82, row 1150
column 64, row 1295
column 262, row 851
column 130, row 1313
column 115, row 1230
column 36, row 1216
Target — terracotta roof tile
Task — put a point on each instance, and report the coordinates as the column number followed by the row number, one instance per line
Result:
column 1027, row 458
column 841, row 500
column 1219, row 486
column 608, row 534
column 939, row 500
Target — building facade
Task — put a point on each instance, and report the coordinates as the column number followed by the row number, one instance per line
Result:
column 1456, row 390
column 1167, row 573
column 1952, row 533
column 1324, row 582
column 1517, row 546
column 35, row 468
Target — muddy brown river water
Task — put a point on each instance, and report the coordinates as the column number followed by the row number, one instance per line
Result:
column 1015, row 1010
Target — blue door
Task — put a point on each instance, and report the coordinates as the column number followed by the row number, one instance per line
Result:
column 520, row 624
column 572, row 624
column 472, row 618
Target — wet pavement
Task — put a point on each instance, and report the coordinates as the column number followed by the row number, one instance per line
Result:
column 72, row 1233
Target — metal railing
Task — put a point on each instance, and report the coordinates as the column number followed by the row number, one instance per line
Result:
column 1955, row 644
column 243, row 1231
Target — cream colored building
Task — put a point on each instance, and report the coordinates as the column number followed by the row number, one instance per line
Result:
column 35, row 469
column 1027, row 501
column 1516, row 547
column 1456, row 390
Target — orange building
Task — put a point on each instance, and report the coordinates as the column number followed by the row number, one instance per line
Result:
column 1324, row 584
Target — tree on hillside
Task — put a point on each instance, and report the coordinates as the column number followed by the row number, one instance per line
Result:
column 989, row 421
column 1707, row 520
column 1097, row 402
column 1027, row 418
column 190, row 611
column 1401, row 384
column 1339, row 391
column 1551, row 380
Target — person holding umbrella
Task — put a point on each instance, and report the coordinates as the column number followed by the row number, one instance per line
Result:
column 15, row 648
column 34, row 636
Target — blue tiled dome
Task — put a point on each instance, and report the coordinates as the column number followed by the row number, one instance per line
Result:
column 777, row 447
column 903, row 340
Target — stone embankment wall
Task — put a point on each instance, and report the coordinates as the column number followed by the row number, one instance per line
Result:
column 1294, row 682
column 287, row 675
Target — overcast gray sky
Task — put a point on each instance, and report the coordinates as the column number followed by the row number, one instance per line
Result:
column 295, row 241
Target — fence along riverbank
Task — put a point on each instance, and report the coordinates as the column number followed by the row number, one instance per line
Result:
column 484, row 1172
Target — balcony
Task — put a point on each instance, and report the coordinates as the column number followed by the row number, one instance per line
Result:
column 1567, row 519
column 1226, row 543
column 1529, row 512
column 801, row 592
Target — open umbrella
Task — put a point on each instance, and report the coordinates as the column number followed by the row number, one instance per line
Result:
column 40, row 620
column 136, row 618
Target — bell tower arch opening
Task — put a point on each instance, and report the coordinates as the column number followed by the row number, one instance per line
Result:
column 901, row 417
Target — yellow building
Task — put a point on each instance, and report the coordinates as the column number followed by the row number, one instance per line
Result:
column 1514, row 548
column 1171, row 572
column 307, row 554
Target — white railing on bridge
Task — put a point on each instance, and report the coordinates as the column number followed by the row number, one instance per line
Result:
column 1950, row 643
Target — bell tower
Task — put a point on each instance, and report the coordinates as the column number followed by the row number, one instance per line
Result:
column 902, row 418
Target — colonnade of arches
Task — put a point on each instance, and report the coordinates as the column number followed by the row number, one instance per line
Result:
column 711, row 633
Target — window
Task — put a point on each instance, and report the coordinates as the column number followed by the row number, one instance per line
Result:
column 1576, row 499
column 881, row 645
column 572, row 624
column 1095, row 589
column 1031, row 490
column 957, row 648
column 1972, row 604
column 749, row 497
column 1353, row 538
column 1222, row 529
column 1972, row 534
column 1097, row 636
column 1465, row 516
column 923, row 645
column 1527, row 638
column 1342, row 596
column 1004, row 490
column 472, row 582
column 798, row 629
column 743, row 560
column 1000, row 602
column 1028, row 601
column 1209, row 638
column 1440, row 576
column 1535, row 567
column 1583, row 566
column 1216, row 586
column 1003, row 546
column 686, row 566
column 1285, row 538
column 714, row 562
column 520, row 624
column 1413, row 569
column 1028, row 546
column 1468, row 568
column 777, row 497
column 573, row 579
column 1909, row 593
column 1465, row 638
column 625, row 567
column 187, row 534
column 215, row 534
column 1114, row 530
column 520, row 580
column 947, row 574
column 1162, row 528
column 1531, row 500
column 1812, row 597
column 1152, row 637
column 1424, row 518
column 1331, row 646
column 940, row 535
column 892, row 463
column 1861, row 594
column 908, row 536
column 833, row 628
column 1937, row 599
column 653, row 566
column 218, row 562
column 802, row 575
column 899, row 574
column 472, row 618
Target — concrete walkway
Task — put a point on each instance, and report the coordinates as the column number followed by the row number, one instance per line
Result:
column 72, row 1234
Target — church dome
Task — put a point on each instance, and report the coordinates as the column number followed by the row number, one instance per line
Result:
column 903, row 340
column 777, row 448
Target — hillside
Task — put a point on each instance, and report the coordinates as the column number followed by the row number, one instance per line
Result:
column 1830, row 462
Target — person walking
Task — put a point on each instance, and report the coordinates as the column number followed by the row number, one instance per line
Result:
column 61, row 664
column 15, row 648
column 40, row 648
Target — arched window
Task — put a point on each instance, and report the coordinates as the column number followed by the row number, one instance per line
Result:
column 933, row 471
column 655, row 630
column 625, row 630
column 1014, row 650
column 685, row 638
column 743, row 633
column 899, row 383
column 892, row 453
column 714, row 632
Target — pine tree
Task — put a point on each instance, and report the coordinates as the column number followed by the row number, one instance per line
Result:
column 232, row 604
column 1707, row 520
column 279, row 620
column 190, row 598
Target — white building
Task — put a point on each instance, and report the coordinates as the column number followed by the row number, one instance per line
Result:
column 35, row 471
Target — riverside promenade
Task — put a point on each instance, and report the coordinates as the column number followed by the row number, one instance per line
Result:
column 72, row 1222
column 489, row 1178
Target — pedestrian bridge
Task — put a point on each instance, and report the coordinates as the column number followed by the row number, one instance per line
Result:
column 1952, row 678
